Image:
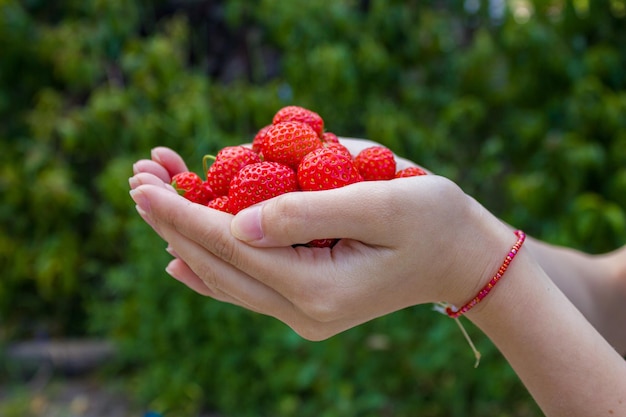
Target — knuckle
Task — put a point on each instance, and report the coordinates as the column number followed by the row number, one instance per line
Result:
column 219, row 243
column 286, row 206
column 283, row 213
column 210, row 235
column 207, row 274
column 320, row 309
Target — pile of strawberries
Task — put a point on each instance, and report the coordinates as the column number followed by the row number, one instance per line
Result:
column 293, row 153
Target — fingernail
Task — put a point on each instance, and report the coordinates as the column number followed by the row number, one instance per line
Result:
column 246, row 225
column 140, row 199
column 133, row 182
column 146, row 217
column 155, row 156
column 170, row 270
column 172, row 252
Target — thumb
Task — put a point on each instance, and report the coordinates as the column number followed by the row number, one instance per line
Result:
column 358, row 211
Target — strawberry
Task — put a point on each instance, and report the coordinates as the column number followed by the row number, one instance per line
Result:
column 325, row 169
column 329, row 137
column 376, row 163
column 410, row 172
column 322, row 243
column 288, row 142
column 259, row 182
column 300, row 114
column 228, row 162
column 338, row 148
column 219, row 203
column 259, row 139
column 190, row 185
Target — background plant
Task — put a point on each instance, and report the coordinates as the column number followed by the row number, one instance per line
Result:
column 524, row 106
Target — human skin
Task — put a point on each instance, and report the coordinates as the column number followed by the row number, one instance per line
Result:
column 596, row 284
column 404, row 242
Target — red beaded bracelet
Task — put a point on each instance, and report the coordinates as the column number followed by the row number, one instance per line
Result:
column 454, row 312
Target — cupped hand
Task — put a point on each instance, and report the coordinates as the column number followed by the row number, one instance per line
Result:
column 403, row 242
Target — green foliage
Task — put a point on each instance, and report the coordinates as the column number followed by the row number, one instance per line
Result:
column 525, row 111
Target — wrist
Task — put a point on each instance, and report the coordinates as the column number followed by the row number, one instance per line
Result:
column 483, row 253
column 456, row 311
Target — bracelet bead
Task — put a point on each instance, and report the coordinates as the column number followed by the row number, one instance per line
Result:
column 453, row 312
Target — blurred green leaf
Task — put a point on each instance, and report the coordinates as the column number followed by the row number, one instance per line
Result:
column 525, row 112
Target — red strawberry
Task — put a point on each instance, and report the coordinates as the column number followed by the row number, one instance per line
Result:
column 325, row 169
column 322, row 243
column 190, row 185
column 410, row 172
column 259, row 139
column 228, row 162
column 220, row 203
column 300, row 114
column 376, row 163
column 288, row 142
column 329, row 137
column 259, row 182
column 338, row 148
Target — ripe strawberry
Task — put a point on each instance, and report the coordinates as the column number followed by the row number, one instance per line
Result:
column 300, row 114
column 288, row 142
column 322, row 243
column 325, row 169
column 259, row 139
column 259, row 182
column 410, row 172
column 329, row 137
column 228, row 162
column 376, row 163
column 190, row 185
column 220, row 203
column 338, row 148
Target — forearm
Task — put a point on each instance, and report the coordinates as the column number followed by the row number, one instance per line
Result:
column 566, row 365
column 595, row 284
column 575, row 273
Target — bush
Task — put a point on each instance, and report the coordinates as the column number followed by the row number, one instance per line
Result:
column 525, row 110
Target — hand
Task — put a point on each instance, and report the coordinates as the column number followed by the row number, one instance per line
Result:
column 403, row 242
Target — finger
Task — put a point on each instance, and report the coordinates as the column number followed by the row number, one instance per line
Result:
column 152, row 167
column 198, row 268
column 365, row 211
column 179, row 270
column 146, row 218
column 194, row 232
column 169, row 159
column 296, row 285
column 143, row 178
column 239, row 289
column 199, row 234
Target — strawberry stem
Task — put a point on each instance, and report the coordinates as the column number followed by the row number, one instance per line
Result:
column 205, row 163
